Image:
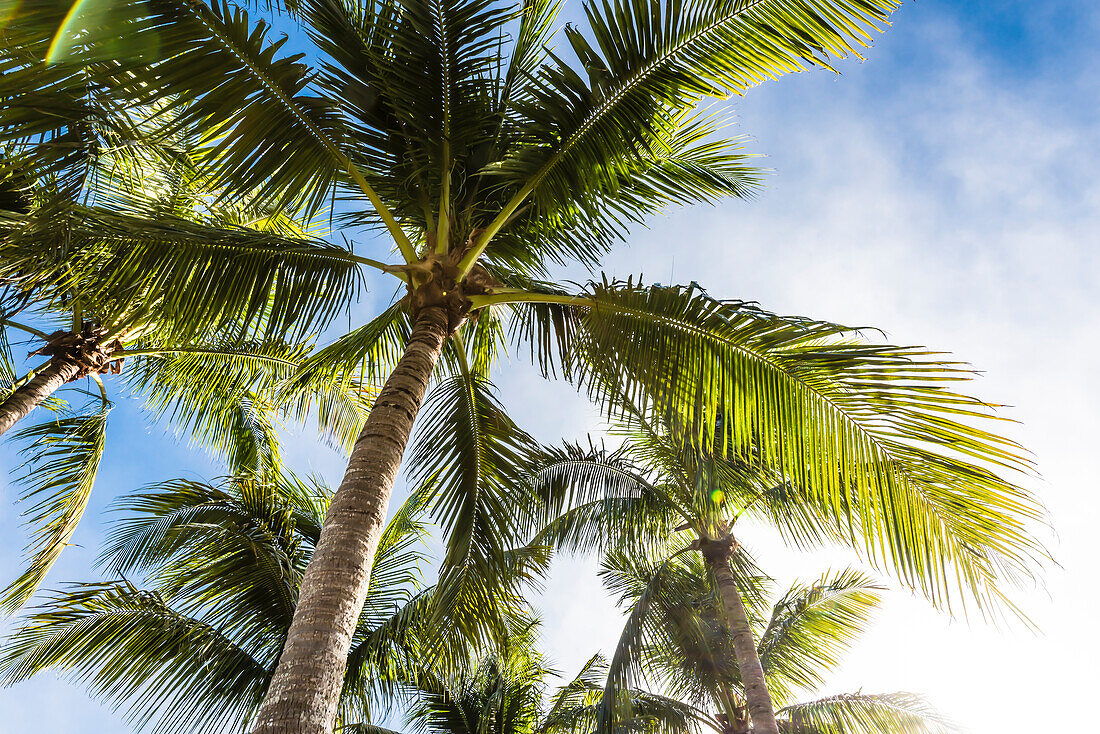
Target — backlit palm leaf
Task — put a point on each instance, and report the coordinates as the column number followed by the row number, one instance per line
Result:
column 875, row 435
column 64, row 457
column 861, row 713
column 812, row 626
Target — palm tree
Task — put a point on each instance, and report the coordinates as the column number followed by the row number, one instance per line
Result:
column 80, row 245
column 659, row 487
column 486, row 159
column 675, row 634
column 178, row 334
column 192, row 647
column 505, row 692
column 221, row 567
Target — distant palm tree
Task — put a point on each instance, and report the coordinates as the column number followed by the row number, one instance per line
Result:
column 77, row 244
column 487, row 160
column 676, row 635
column 505, row 692
column 660, row 488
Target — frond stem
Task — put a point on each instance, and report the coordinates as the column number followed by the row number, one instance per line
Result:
column 403, row 244
column 23, row 327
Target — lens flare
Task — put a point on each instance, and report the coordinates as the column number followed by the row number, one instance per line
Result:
column 75, row 20
column 717, row 496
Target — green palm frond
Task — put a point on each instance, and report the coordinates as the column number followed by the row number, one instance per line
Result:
column 268, row 134
column 365, row 356
column 228, row 554
column 686, row 162
column 574, row 701
column 591, row 499
column 253, row 446
column 864, row 714
column 876, row 435
column 202, row 390
column 472, row 455
column 645, row 584
column 363, row 728
column 653, row 59
column 812, row 626
column 222, row 563
column 188, row 278
column 8, row 375
column 64, row 455
column 165, row 669
column 55, row 118
column 395, row 575
column 501, row 692
column 676, row 631
column 206, row 389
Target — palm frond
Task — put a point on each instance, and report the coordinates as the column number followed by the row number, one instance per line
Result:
column 862, row 713
column 812, row 626
column 653, row 59
column 877, row 435
column 472, row 455
column 469, row 455
column 681, row 636
column 269, row 134
column 64, row 456
column 167, row 671
column 365, row 356
column 591, row 500
column 188, row 278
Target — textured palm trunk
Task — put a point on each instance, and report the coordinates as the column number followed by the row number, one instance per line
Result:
column 759, row 701
column 29, row 396
column 305, row 690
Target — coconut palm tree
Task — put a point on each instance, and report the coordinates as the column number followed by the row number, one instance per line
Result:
column 676, row 636
column 192, row 646
column 183, row 343
column 659, row 487
column 220, row 567
column 72, row 235
column 485, row 159
column 505, row 692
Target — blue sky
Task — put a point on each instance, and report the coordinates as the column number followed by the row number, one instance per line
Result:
column 944, row 190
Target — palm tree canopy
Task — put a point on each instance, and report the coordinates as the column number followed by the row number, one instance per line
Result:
column 953, row 528
column 461, row 131
column 193, row 646
column 676, row 637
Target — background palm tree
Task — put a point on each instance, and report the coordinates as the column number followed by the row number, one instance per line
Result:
column 488, row 163
column 506, row 692
column 676, row 636
column 661, row 488
column 220, row 567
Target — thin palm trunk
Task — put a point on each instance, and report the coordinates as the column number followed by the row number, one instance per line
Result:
column 29, row 396
column 305, row 690
column 761, row 709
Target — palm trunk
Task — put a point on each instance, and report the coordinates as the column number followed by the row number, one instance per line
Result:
column 305, row 690
column 761, row 710
column 29, row 396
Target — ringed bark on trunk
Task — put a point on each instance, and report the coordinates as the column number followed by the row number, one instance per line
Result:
column 45, row 383
column 761, row 710
column 305, row 690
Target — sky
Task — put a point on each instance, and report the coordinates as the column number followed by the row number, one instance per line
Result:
column 944, row 190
